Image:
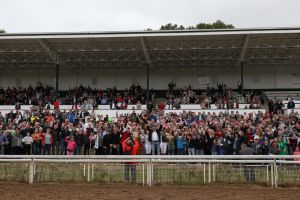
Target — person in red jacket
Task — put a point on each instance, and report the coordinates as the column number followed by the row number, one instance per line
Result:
column 130, row 147
column 56, row 104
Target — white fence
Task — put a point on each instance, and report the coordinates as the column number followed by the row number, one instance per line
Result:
column 153, row 170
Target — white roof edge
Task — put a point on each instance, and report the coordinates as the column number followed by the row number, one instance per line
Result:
column 65, row 35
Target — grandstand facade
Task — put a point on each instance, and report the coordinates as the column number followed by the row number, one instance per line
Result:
column 255, row 58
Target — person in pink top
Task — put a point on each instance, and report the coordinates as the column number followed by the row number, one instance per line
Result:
column 297, row 153
column 71, row 145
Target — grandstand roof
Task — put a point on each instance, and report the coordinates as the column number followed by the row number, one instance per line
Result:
column 262, row 46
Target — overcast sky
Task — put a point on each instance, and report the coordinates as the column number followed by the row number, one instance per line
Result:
column 123, row 15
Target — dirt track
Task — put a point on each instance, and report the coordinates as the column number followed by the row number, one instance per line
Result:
column 93, row 191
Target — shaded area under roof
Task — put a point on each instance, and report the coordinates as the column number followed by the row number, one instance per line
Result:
column 229, row 47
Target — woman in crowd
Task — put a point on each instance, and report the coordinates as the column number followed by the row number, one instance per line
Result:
column 37, row 142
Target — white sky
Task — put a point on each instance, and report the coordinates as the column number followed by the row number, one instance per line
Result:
column 123, row 15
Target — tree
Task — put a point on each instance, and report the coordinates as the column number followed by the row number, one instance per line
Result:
column 2, row 31
column 216, row 25
column 221, row 25
column 171, row 26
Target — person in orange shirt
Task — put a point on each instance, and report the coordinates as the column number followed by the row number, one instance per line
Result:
column 37, row 141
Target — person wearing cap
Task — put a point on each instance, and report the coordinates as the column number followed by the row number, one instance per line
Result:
column 256, row 146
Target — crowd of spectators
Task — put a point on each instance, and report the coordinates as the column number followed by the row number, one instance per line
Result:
column 27, row 96
column 278, row 106
column 82, row 97
column 88, row 98
column 222, row 97
column 80, row 132
column 117, row 99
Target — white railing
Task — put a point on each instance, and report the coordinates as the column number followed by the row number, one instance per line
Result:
column 271, row 170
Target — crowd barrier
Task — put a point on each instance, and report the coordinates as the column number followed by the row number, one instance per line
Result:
column 270, row 171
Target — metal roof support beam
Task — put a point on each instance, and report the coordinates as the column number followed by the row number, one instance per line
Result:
column 145, row 51
column 242, row 61
column 53, row 54
column 148, row 62
column 56, row 60
column 244, row 49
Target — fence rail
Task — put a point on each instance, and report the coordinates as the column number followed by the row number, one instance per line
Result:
column 271, row 170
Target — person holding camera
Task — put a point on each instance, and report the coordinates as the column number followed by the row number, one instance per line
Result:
column 130, row 147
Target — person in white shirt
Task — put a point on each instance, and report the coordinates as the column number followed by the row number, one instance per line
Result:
column 154, row 138
column 27, row 140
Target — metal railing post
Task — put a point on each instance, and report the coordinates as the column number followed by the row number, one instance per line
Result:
column 88, row 173
column 275, row 174
column 34, row 168
column 83, row 169
column 149, row 173
column 268, row 174
column 209, row 173
column 204, row 174
column 213, row 172
column 31, row 171
column 143, row 174
column 272, row 175
column 93, row 166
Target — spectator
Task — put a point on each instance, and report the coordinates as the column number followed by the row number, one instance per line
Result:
column 155, row 139
column 99, row 143
column 297, row 153
column 282, row 146
column 291, row 104
column 180, row 141
column 115, row 141
column 171, row 144
column 192, row 145
column 47, row 142
column 71, row 145
column 17, row 145
column 3, row 142
column 130, row 147
column 256, row 146
column 27, row 140
column 249, row 171
column 37, row 141
column 163, row 143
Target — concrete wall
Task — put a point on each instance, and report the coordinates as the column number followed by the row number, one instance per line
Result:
column 255, row 77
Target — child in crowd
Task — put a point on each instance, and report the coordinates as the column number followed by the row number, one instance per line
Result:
column 27, row 140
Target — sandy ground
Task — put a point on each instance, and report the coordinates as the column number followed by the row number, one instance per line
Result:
column 124, row 192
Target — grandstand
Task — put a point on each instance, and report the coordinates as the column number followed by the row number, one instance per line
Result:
column 253, row 59
column 201, row 93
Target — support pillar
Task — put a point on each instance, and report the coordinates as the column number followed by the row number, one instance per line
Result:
column 242, row 78
column 56, row 79
column 148, row 81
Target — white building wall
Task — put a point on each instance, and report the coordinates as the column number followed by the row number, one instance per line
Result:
column 254, row 77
